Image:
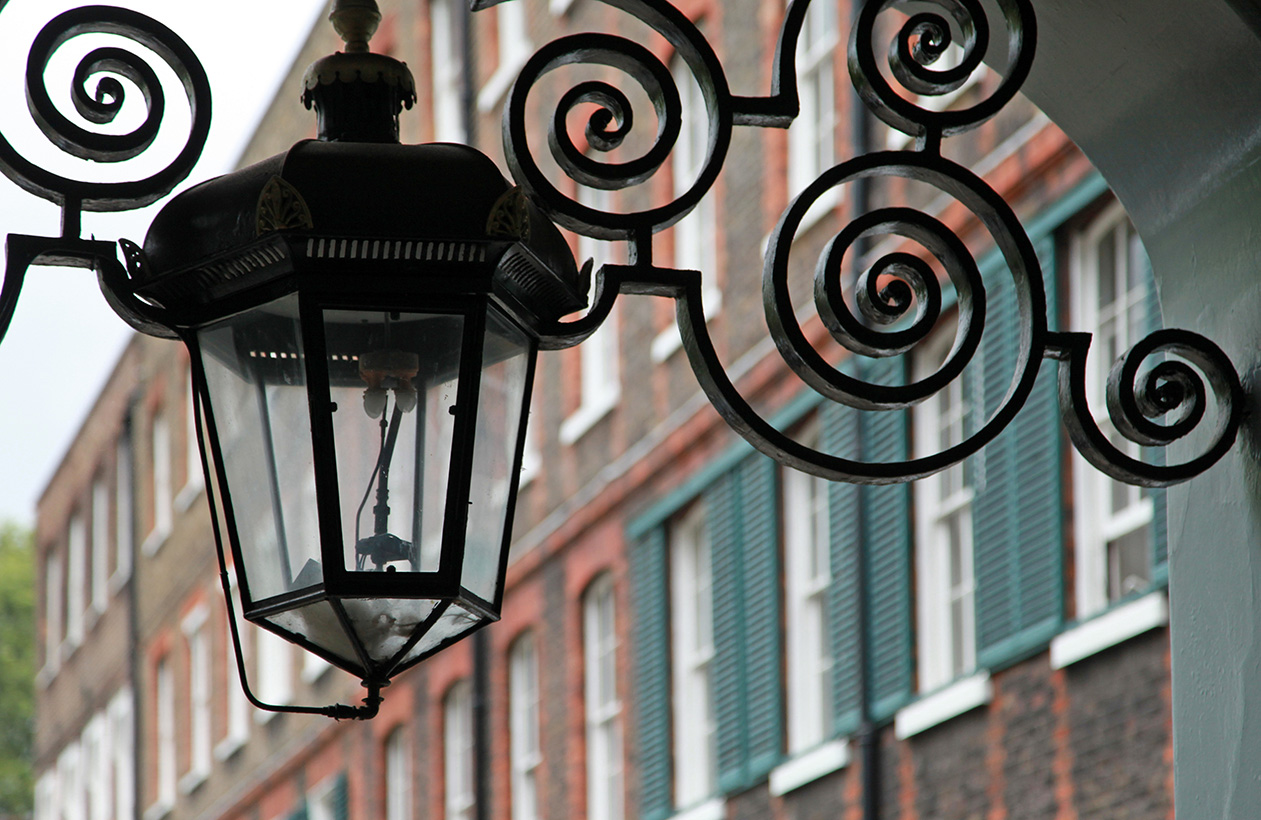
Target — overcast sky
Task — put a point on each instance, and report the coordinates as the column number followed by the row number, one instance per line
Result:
column 64, row 339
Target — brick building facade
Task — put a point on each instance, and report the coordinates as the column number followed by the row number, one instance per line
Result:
column 688, row 630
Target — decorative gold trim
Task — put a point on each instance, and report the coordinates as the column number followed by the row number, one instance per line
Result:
column 282, row 208
column 510, row 217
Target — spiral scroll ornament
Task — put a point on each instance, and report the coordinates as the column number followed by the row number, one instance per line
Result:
column 612, row 121
column 100, row 106
column 918, row 49
column 1153, row 399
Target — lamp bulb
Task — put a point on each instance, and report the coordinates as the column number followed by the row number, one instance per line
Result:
column 405, row 396
column 374, row 399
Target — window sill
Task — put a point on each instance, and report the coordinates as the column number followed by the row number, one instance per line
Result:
column 313, row 670
column 158, row 810
column 154, row 541
column 936, row 708
column 1115, row 626
column 715, row 808
column 808, row 767
column 825, row 205
column 186, row 496
column 117, row 581
column 46, row 676
column 228, row 747
column 191, row 781
column 492, row 94
column 670, row 341
column 586, row 417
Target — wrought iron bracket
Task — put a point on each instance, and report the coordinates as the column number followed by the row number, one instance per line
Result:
column 888, row 308
column 893, row 302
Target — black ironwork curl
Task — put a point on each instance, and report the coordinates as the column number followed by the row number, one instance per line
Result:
column 103, row 106
column 920, row 42
column 897, row 300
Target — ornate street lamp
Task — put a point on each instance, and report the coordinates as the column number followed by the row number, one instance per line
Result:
column 363, row 317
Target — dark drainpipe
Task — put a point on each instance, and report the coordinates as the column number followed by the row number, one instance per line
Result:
column 132, row 591
column 868, row 730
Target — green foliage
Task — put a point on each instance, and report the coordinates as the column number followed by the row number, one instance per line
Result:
column 17, row 669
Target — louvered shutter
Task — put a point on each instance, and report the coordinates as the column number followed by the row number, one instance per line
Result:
column 649, row 600
column 839, row 433
column 760, row 529
column 1018, row 519
column 886, row 514
column 340, row 799
column 722, row 520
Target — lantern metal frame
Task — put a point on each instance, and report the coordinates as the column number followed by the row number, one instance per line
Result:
column 881, row 308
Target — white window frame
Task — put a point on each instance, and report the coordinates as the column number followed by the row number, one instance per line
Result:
column 275, row 672
column 692, row 645
column 695, row 235
column 70, row 781
column 603, row 707
column 320, row 800
column 1095, row 525
column 197, row 636
column 525, row 751
column 124, row 513
column 164, row 722
column 54, row 614
column 600, row 381
column 457, row 743
column 100, row 547
column 446, row 71
column 122, row 746
column 194, row 479
column 811, row 149
column 163, row 501
column 808, row 575
column 237, row 730
column 941, row 421
column 513, row 51
column 97, row 765
column 398, row 775
column 76, row 582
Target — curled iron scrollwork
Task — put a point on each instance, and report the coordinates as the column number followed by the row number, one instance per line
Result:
column 109, row 66
column 874, row 308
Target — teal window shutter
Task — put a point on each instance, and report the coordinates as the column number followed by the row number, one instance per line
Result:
column 722, row 522
column 838, row 431
column 301, row 812
column 340, row 799
column 651, row 643
column 886, row 526
column 1018, row 518
column 762, row 676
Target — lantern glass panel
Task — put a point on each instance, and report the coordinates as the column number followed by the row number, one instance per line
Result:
column 500, row 408
column 454, row 623
column 393, row 381
column 319, row 624
column 255, row 377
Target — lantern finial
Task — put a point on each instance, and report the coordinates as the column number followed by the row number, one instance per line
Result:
column 356, row 21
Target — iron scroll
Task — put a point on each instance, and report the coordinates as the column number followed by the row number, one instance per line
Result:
column 1159, row 392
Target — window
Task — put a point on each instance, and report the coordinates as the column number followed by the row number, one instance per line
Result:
column 808, row 571
column 447, row 70
column 275, row 672
column 695, row 236
column 76, row 580
column 123, row 512
column 523, row 711
column 238, row 713
column 166, row 750
column 398, row 776
column 54, row 608
column 512, row 25
column 943, row 534
column 100, row 546
column 70, row 781
column 161, row 455
column 194, row 480
column 122, row 746
column 603, row 708
column 97, row 764
column 1113, row 520
column 692, row 621
column 458, row 751
column 600, row 385
column 197, row 638
column 810, row 137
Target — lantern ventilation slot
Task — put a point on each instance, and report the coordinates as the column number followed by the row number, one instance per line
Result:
column 395, row 249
